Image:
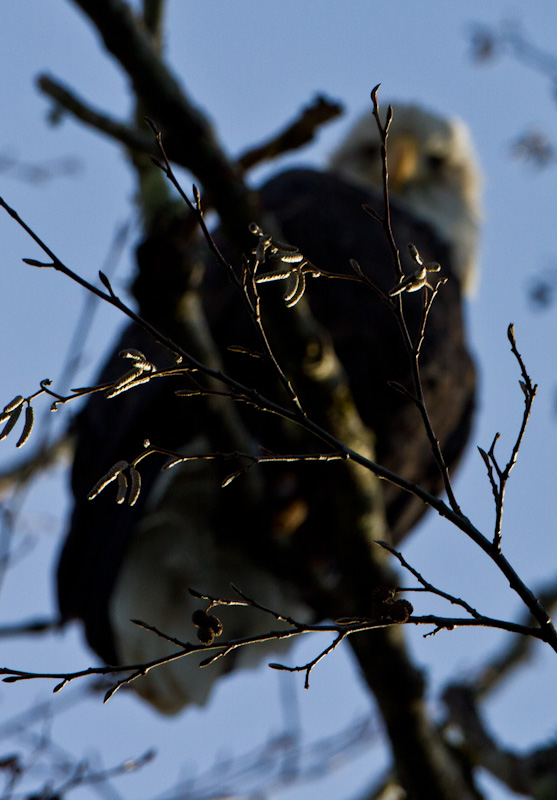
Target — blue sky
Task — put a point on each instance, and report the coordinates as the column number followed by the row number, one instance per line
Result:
column 251, row 65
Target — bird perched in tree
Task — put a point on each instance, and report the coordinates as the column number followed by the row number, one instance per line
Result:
column 281, row 532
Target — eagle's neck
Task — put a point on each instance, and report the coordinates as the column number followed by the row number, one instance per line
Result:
column 455, row 221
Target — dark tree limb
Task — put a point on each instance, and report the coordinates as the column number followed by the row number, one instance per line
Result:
column 533, row 773
column 186, row 129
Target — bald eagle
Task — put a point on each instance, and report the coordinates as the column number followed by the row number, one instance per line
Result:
column 277, row 533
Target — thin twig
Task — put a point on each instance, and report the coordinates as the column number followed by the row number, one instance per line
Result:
column 498, row 477
column 247, row 284
column 413, row 348
column 224, row 648
column 267, row 345
column 307, row 668
column 427, row 585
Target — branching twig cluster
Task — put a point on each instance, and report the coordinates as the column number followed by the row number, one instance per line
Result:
column 386, row 609
column 284, row 263
column 498, row 477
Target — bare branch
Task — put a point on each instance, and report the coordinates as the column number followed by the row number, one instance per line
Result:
column 498, row 477
column 132, row 138
column 298, row 133
column 426, row 584
column 307, row 668
column 397, row 306
column 187, row 130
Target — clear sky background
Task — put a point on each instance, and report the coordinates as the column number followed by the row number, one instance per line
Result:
column 251, row 65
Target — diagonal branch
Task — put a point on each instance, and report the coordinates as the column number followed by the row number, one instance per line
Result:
column 187, row 131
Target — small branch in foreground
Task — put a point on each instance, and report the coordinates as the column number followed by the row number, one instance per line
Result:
column 498, row 478
column 407, row 283
column 246, row 602
column 248, row 281
column 307, row 668
column 385, row 220
column 387, row 613
column 429, row 586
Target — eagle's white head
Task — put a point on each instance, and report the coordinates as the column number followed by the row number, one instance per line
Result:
column 433, row 171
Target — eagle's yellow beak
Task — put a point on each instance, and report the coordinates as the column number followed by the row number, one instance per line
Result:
column 403, row 163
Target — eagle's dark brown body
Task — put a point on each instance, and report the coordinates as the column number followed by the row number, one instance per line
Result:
column 292, row 532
